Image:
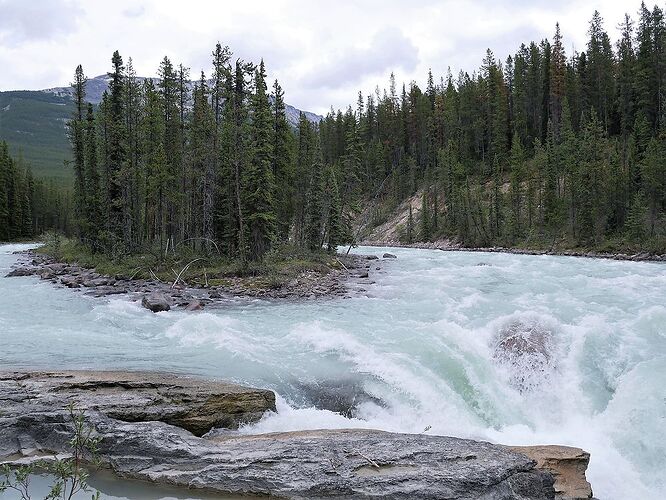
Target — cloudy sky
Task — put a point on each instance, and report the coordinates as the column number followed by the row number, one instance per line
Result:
column 322, row 52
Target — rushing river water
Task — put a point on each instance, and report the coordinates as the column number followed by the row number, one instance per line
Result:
column 419, row 349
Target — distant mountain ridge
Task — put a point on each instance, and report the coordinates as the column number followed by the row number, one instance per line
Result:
column 33, row 122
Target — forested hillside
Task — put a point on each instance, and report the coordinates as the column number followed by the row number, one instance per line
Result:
column 33, row 123
column 543, row 149
column 28, row 206
column 226, row 174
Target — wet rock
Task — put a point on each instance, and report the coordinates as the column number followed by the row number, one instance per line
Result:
column 194, row 305
column 70, row 281
column 353, row 463
column 342, row 396
column 362, row 274
column 389, row 256
column 46, row 275
column 371, row 257
column 156, row 302
column 194, row 404
column 526, row 348
column 21, row 271
column 567, row 465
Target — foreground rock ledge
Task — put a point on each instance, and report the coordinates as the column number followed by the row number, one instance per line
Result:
column 147, row 424
column 193, row 404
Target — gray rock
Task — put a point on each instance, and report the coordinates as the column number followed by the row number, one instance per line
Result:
column 371, row 257
column 389, row 256
column 70, row 281
column 156, row 302
column 147, row 423
column 21, row 271
column 194, row 305
column 193, row 404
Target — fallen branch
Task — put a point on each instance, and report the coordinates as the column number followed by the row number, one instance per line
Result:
column 340, row 262
column 359, row 454
column 183, row 270
column 136, row 271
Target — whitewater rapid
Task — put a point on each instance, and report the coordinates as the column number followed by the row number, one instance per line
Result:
column 414, row 352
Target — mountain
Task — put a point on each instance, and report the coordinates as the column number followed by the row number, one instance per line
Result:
column 33, row 122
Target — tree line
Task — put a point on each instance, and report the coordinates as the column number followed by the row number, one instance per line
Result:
column 545, row 147
column 28, row 206
column 212, row 165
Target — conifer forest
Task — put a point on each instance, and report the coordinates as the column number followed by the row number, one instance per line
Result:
column 545, row 148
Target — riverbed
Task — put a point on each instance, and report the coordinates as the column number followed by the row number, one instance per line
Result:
column 416, row 351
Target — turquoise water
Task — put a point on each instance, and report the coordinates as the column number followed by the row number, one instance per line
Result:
column 419, row 346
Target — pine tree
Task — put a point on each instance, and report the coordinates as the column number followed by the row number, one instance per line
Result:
column 5, row 164
column 334, row 223
column 116, row 154
column 76, row 136
column 258, row 182
column 94, row 217
column 282, row 165
column 314, row 212
column 203, row 160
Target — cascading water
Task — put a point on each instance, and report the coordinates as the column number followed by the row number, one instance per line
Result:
column 507, row 348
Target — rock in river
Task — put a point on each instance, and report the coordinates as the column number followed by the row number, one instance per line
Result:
column 193, row 404
column 389, row 256
column 149, row 426
column 566, row 464
column 156, row 302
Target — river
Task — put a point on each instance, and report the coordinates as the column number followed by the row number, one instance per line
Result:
column 416, row 351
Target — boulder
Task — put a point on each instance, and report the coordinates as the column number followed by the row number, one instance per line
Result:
column 567, row 465
column 389, row 256
column 193, row 404
column 155, row 427
column 70, row 281
column 194, row 305
column 148, row 427
column 156, row 302
column 21, row 271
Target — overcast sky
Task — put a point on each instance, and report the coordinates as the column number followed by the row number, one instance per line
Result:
column 322, row 52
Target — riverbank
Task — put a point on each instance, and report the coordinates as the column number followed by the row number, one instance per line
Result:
column 449, row 246
column 194, row 288
column 152, row 426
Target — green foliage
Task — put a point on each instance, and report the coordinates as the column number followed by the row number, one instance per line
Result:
column 28, row 206
column 70, row 474
column 546, row 150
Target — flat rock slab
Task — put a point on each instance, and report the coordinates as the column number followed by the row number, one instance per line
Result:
column 194, row 404
column 148, row 425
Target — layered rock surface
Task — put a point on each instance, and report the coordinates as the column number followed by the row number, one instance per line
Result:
column 149, row 425
column 567, row 466
column 193, row 404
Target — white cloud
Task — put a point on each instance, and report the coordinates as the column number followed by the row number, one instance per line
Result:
column 322, row 53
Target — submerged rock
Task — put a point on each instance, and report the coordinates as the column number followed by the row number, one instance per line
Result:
column 341, row 396
column 389, row 256
column 525, row 347
column 567, row 466
column 194, row 305
column 156, row 302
